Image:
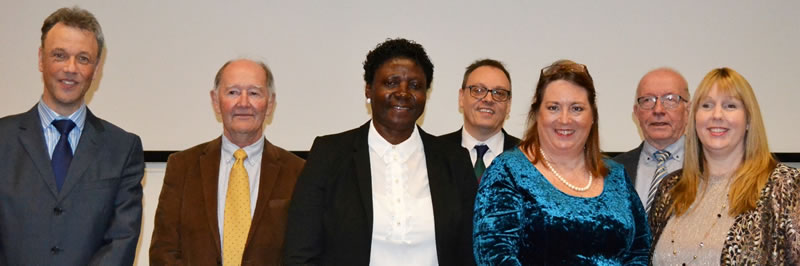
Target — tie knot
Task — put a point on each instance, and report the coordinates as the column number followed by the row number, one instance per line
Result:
column 64, row 126
column 661, row 155
column 240, row 154
column 481, row 148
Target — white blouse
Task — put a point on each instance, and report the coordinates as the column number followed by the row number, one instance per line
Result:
column 403, row 229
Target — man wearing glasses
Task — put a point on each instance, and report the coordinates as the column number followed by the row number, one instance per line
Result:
column 485, row 100
column 662, row 109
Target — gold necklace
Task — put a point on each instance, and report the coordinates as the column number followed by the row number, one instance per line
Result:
column 702, row 241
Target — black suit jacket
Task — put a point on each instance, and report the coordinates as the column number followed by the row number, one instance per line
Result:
column 630, row 160
column 330, row 217
column 509, row 142
column 96, row 217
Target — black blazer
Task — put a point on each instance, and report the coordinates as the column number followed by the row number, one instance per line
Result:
column 630, row 160
column 509, row 142
column 330, row 216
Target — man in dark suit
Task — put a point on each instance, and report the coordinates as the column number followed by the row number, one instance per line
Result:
column 662, row 110
column 485, row 100
column 70, row 183
column 225, row 201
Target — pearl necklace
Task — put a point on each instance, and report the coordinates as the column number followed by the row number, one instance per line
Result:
column 560, row 178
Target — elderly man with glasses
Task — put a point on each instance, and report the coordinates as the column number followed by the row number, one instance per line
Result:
column 662, row 109
column 485, row 101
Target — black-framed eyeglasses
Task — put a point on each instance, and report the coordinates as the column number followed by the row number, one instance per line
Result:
column 669, row 101
column 499, row 95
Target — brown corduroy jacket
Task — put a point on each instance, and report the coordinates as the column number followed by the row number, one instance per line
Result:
column 186, row 230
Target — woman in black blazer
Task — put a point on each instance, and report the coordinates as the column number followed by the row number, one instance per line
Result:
column 385, row 192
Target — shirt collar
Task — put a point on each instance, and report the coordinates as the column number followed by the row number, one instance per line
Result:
column 47, row 115
column 253, row 151
column 382, row 147
column 495, row 142
column 675, row 149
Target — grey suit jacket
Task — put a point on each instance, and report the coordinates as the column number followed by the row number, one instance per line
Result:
column 96, row 217
column 630, row 160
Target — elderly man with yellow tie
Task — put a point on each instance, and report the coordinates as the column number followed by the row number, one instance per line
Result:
column 226, row 201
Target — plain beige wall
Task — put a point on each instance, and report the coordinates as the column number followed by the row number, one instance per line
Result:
column 162, row 57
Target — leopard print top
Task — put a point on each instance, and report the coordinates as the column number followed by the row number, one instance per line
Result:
column 767, row 235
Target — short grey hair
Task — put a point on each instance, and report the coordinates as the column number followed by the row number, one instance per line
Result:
column 270, row 78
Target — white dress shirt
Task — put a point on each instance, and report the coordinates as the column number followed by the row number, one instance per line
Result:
column 403, row 229
column 495, row 144
column 51, row 134
column 648, row 164
column 253, row 166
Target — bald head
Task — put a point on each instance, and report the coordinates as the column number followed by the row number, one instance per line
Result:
column 666, row 78
column 660, row 125
column 267, row 72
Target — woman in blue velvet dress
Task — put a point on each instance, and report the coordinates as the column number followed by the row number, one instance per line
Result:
column 555, row 201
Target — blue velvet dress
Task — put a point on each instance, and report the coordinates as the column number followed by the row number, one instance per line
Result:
column 521, row 219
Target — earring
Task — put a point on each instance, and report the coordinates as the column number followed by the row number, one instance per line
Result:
column 369, row 100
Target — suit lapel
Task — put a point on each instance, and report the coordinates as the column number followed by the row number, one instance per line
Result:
column 270, row 167
column 209, row 176
column 632, row 164
column 85, row 155
column 32, row 139
column 363, row 173
column 441, row 186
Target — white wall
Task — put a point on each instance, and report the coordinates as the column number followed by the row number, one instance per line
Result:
column 152, row 182
column 162, row 56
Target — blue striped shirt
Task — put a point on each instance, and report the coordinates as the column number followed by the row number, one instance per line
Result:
column 51, row 134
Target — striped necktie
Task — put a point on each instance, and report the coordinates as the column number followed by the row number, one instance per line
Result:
column 661, row 172
column 237, row 212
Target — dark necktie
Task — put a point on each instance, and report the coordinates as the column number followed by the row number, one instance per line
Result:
column 661, row 172
column 479, row 165
column 62, row 154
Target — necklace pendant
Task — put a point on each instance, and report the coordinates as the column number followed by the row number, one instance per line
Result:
column 701, row 244
column 674, row 252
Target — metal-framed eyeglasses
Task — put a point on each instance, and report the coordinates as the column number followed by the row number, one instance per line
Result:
column 499, row 95
column 669, row 101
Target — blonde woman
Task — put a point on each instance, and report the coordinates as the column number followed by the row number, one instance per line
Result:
column 732, row 203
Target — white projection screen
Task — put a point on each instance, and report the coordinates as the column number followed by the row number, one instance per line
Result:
column 162, row 56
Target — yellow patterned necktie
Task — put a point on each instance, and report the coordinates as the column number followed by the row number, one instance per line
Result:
column 237, row 212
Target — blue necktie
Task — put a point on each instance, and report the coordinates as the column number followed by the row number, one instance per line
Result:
column 661, row 172
column 479, row 165
column 62, row 154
